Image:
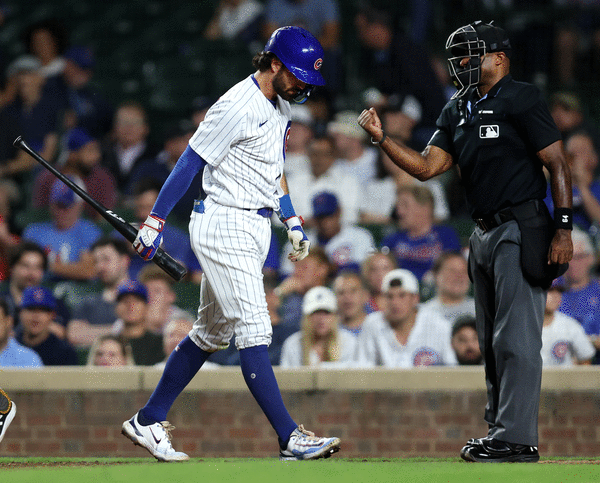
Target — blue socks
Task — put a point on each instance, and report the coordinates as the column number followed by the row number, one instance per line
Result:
column 259, row 376
column 185, row 361
column 183, row 364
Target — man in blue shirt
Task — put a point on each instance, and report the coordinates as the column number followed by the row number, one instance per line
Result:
column 38, row 307
column 13, row 354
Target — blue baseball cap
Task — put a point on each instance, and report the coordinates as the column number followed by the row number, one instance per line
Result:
column 132, row 287
column 324, row 204
column 38, row 298
column 78, row 138
column 82, row 56
column 62, row 195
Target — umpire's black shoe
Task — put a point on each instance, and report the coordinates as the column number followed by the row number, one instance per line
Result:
column 490, row 450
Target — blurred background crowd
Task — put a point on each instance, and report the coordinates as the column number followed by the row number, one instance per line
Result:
column 110, row 93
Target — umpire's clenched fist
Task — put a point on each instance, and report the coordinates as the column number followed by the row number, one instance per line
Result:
column 370, row 122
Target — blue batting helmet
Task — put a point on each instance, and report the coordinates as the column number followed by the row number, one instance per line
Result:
column 300, row 52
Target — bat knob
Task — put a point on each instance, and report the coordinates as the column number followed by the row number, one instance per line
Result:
column 17, row 141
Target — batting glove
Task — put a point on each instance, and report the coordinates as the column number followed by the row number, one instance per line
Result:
column 298, row 239
column 149, row 237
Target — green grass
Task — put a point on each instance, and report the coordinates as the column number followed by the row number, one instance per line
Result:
column 333, row 470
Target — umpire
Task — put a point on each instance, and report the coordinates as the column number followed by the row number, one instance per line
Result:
column 500, row 134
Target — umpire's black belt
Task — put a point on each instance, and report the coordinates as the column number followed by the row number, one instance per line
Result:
column 264, row 212
column 528, row 209
column 492, row 221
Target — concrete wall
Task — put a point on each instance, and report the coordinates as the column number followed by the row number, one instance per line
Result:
column 377, row 413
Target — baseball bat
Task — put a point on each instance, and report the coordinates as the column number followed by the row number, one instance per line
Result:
column 161, row 258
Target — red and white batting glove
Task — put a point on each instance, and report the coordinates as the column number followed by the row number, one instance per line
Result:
column 149, row 237
column 297, row 237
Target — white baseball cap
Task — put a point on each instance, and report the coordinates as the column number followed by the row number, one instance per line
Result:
column 406, row 278
column 319, row 298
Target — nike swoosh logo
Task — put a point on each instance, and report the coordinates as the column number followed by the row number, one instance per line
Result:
column 263, row 123
column 152, row 433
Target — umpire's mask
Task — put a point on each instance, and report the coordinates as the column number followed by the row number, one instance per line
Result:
column 472, row 42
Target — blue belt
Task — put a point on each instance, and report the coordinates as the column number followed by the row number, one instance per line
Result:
column 264, row 212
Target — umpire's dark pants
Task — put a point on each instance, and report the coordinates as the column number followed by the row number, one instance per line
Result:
column 510, row 315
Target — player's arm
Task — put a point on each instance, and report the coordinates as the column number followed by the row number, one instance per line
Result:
column 293, row 224
column 149, row 235
column 423, row 166
column 554, row 159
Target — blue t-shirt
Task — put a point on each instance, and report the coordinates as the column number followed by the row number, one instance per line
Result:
column 17, row 355
column 65, row 245
column 419, row 254
column 584, row 305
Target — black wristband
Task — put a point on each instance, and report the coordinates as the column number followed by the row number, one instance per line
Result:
column 563, row 218
column 382, row 139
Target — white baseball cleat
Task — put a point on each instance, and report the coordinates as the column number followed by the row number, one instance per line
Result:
column 156, row 438
column 6, row 419
column 304, row 445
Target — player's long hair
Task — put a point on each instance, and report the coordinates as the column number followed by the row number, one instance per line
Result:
column 262, row 61
column 332, row 350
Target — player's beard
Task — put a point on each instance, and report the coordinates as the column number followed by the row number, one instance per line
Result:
column 281, row 89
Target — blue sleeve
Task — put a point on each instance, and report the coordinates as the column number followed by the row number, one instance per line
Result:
column 178, row 182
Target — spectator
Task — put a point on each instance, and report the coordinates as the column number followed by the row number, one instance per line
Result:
column 373, row 269
column 313, row 271
column 568, row 114
column 28, row 264
column 159, row 168
column 346, row 246
column 47, row 41
column 9, row 238
column 199, row 108
column 110, row 351
column 83, row 160
column 322, row 19
column 94, row 316
column 419, row 241
column 581, row 299
column 402, row 335
column 68, row 237
column 235, row 20
column 33, row 115
column 564, row 342
column 175, row 241
column 324, row 176
column 161, row 298
column 354, row 157
column 378, row 201
column 128, row 146
column 451, row 280
column 301, row 134
column 132, row 309
column 465, row 342
column 174, row 332
column 281, row 331
column 401, row 114
column 319, row 342
column 396, row 65
column 38, row 308
column 351, row 296
column 13, row 354
column 583, row 159
column 87, row 107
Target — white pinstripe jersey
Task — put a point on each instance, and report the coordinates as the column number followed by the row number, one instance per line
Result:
column 243, row 140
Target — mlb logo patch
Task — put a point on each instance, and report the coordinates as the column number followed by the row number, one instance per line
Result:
column 489, row 131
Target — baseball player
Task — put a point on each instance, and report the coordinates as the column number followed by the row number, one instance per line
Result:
column 500, row 134
column 8, row 409
column 240, row 149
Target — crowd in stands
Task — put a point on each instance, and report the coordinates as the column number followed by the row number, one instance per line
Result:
column 386, row 280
